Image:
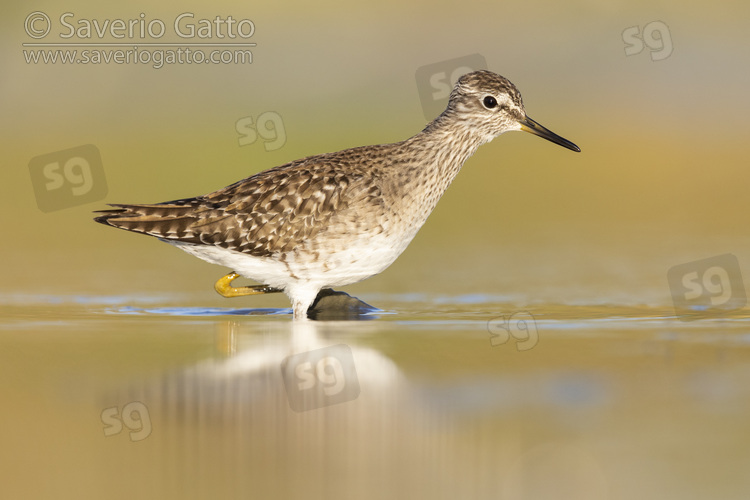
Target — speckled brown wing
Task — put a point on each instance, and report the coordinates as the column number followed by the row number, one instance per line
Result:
column 263, row 215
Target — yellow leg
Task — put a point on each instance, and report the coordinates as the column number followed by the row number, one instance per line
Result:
column 225, row 288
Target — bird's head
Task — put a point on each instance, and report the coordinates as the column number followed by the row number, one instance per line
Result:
column 490, row 105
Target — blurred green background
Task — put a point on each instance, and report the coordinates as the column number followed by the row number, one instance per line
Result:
column 661, row 179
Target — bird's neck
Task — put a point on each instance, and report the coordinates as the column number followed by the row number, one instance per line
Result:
column 443, row 147
column 435, row 157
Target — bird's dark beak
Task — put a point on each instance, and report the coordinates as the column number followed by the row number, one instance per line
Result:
column 532, row 127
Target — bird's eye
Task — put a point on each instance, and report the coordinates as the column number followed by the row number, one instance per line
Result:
column 489, row 102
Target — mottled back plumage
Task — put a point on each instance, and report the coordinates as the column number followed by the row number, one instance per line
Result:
column 263, row 215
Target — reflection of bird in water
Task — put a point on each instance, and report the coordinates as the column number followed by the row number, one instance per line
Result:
column 337, row 218
column 304, row 365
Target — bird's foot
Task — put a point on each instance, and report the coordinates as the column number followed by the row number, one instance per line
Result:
column 225, row 288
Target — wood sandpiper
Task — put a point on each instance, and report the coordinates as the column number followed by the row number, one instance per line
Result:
column 337, row 218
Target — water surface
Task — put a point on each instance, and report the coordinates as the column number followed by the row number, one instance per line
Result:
column 435, row 397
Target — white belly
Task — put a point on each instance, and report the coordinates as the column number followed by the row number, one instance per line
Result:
column 352, row 263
